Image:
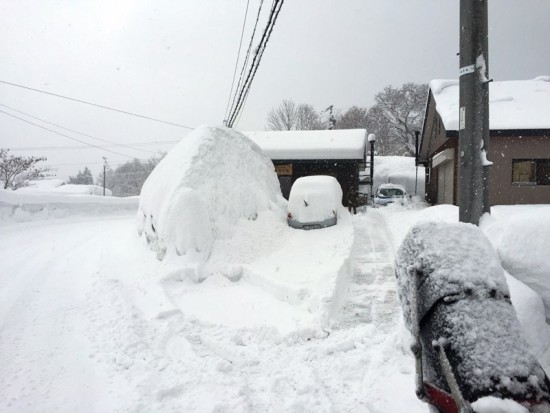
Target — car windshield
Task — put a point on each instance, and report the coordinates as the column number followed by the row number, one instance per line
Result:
column 389, row 192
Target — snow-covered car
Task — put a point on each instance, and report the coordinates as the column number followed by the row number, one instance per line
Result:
column 314, row 202
column 390, row 194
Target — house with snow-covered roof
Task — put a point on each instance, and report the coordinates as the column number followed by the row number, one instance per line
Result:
column 519, row 122
column 339, row 153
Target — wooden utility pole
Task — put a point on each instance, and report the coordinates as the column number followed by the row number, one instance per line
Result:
column 473, row 111
column 104, row 173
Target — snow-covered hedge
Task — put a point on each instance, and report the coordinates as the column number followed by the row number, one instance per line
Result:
column 198, row 192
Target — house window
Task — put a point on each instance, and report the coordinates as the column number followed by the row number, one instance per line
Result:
column 531, row 171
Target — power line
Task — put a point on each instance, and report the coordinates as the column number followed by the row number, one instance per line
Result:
column 72, row 130
column 96, row 105
column 256, row 60
column 32, row 148
column 237, row 60
column 261, row 52
column 66, row 136
column 247, row 56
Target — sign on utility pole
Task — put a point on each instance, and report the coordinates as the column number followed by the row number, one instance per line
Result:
column 473, row 139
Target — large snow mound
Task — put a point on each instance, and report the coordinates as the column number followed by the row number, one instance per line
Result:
column 208, row 182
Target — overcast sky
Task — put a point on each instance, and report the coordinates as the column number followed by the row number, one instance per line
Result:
column 174, row 60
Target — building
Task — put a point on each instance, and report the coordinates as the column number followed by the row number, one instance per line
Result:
column 519, row 122
column 340, row 153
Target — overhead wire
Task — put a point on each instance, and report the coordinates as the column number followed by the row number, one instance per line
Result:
column 66, row 136
column 237, row 59
column 72, row 130
column 274, row 13
column 261, row 54
column 96, row 105
column 245, row 64
column 32, row 148
column 247, row 56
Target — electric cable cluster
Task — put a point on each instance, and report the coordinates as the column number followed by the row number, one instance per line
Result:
column 243, row 86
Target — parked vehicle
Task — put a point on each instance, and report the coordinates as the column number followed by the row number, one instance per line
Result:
column 314, row 202
column 391, row 193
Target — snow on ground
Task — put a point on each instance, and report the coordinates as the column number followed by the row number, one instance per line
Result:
column 283, row 320
column 88, row 325
column 30, row 205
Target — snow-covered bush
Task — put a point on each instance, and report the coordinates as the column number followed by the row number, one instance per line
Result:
column 198, row 192
column 450, row 275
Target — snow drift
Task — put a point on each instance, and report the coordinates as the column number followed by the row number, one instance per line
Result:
column 521, row 241
column 210, row 180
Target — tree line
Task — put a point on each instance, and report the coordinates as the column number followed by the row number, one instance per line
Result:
column 395, row 115
column 125, row 180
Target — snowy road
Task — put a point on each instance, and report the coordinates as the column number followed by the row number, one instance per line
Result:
column 86, row 325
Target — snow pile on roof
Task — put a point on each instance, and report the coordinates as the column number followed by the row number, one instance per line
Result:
column 518, row 104
column 198, row 192
column 312, row 144
column 462, row 286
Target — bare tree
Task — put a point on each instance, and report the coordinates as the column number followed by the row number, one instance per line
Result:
column 307, row 118
column 16, row 171
column 396, row 115
column 353, row 118
column 289, row 116
column 284, row 117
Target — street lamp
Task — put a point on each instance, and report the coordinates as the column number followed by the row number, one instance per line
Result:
column 371, row 138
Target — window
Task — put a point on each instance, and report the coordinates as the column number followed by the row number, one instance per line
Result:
column 531, row 171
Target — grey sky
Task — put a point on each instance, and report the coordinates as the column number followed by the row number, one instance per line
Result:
column 174, row 60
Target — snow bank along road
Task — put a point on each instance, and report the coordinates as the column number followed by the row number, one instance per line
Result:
column 87, row 325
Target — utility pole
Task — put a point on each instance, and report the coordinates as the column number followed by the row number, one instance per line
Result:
column 105, row 166
column 416, row 133
column 473, row 111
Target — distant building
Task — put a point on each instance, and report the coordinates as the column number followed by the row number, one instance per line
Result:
column 339, row 153
column 519, row 113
